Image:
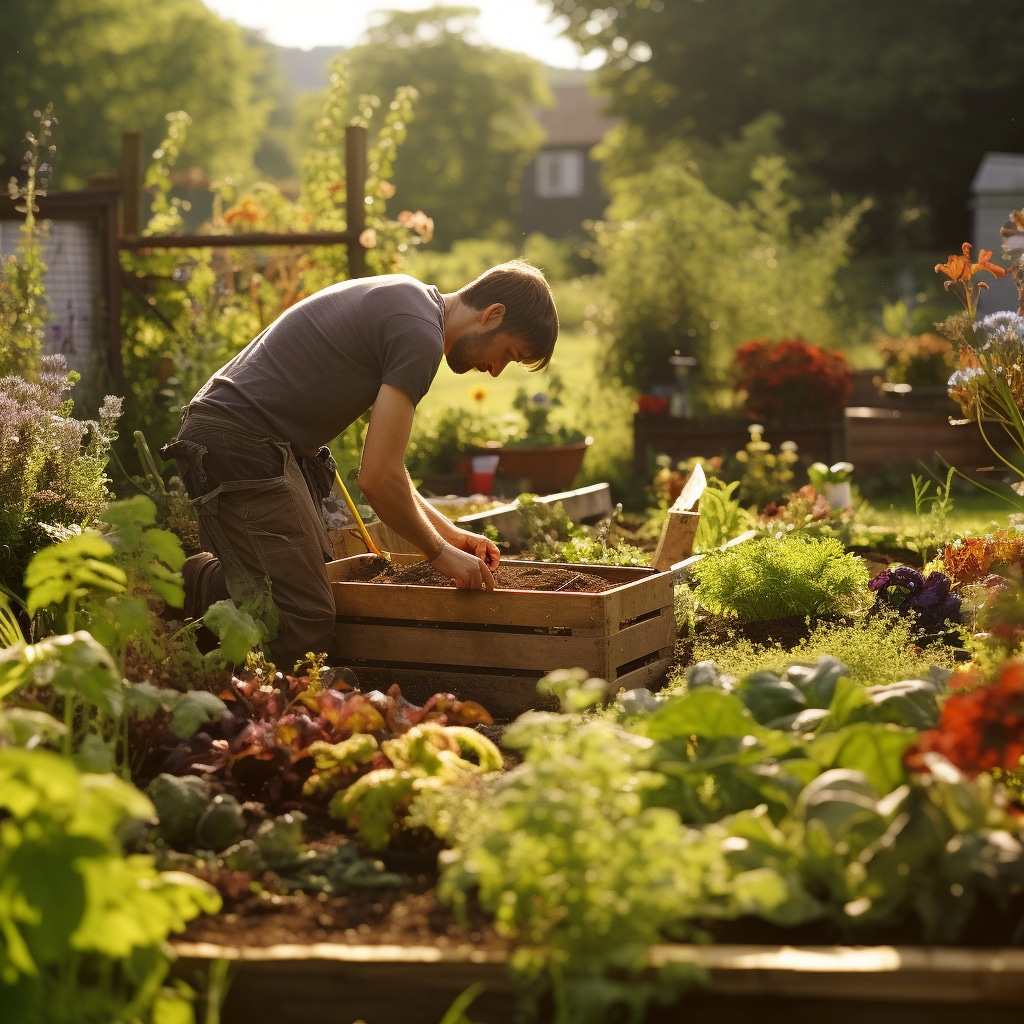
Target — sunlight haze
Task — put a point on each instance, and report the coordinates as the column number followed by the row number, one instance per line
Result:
column 519, row 25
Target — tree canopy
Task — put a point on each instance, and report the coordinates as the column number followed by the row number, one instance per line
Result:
column 109, row 67
column 472, row 132
column 894, row 100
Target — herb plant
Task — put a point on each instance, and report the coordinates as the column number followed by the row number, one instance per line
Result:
column 773, row 577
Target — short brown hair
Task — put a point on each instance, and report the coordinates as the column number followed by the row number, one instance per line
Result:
column 530, row 311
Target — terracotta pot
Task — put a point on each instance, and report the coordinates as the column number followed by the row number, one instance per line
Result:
column 544, row 469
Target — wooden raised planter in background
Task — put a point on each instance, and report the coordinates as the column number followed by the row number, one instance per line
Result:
column 818, row 440
column 893, row 439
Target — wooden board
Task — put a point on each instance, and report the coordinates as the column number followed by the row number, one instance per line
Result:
column 580, row 505
column 766, row 984
column 680, row 529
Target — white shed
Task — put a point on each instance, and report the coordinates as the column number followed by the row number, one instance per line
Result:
column 997, row 189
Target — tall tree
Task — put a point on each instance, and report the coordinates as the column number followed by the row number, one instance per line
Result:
column 894, row 100
column 472, row 132
column 110, row 67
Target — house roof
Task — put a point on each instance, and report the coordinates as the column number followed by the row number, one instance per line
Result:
column 576, row 119
column 999, row 172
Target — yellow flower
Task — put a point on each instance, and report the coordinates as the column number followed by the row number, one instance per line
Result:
column 478, row 394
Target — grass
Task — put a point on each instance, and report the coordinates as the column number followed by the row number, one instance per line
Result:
column 973, row 511
column 603, row 410
column 575, row 358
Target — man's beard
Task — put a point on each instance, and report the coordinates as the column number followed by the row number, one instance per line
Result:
column 469, row 350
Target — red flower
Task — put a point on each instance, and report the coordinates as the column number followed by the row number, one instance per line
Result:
column 791, row 376
column 980, row 729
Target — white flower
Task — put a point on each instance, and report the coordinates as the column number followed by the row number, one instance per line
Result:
column 1004, row 327
column 962, row 378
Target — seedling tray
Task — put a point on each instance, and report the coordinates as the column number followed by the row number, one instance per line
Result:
column 493, row 646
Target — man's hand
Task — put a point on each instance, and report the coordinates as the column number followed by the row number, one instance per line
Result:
column 468, row 570
column 477, row 545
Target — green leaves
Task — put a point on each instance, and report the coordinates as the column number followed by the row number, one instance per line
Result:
column 70, row 901
column 71, row 570
column 237, row 630
column 772, row 577
column 73, row 664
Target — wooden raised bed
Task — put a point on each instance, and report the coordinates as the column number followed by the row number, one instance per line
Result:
column 492, row 647
column 328, row 983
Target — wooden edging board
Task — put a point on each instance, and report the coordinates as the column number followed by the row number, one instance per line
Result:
column 580, row 505
column 327, row 982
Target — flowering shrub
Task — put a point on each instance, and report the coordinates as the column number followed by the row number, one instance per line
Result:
column 764, row 475
column 803, row 508
column 791, row 376
column 989, row 386
column 980, row 729
column 921, row 360
column 929, row 599
column 52, row 466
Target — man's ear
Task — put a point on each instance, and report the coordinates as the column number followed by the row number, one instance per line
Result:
column 492, row 316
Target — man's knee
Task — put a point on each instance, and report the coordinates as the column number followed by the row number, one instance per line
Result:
column 205, row 583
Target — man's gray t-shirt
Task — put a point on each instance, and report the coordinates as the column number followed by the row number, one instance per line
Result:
column 318, row 367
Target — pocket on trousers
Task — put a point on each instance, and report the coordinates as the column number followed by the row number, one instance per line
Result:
column 189, row 457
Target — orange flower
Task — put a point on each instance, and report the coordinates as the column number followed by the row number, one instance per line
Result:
column 957, row 268
column 985, row 263
column 960, row 270
column 246, row 211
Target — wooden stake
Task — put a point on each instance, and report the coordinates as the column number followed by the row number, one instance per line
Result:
column 676, row 541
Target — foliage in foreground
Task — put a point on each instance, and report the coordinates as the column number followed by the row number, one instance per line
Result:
column 794, row 799
column 82, row 925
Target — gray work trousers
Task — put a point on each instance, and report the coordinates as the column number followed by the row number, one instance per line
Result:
column 259, row 511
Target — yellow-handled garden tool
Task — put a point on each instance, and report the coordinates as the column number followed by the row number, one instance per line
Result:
column 367, row 540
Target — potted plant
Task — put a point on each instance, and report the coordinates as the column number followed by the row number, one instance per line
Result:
column 544, row 455
column 833, row 482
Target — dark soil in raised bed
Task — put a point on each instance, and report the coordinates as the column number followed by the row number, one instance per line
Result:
column 411, row 915
column 508, row 576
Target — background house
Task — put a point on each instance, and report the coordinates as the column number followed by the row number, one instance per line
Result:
column 997, row 189
column 561, row 187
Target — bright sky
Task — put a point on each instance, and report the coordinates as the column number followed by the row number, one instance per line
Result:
column 519, row 25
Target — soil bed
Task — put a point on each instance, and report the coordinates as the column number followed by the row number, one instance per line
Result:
column 508, row 576
column 407, row 916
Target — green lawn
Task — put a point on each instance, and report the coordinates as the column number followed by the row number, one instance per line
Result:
column 971, row 512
